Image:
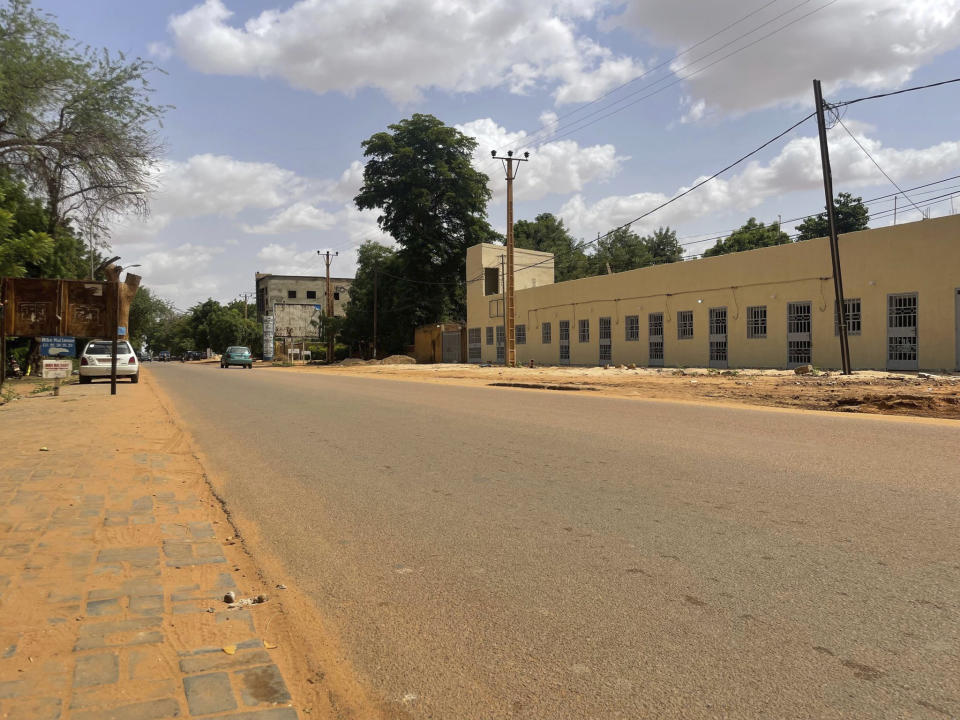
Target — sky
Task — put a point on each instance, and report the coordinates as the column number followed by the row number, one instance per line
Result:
column 622, row 104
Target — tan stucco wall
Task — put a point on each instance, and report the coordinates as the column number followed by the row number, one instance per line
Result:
column 921, row 257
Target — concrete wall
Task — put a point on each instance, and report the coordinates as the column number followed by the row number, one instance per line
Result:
column 272, row 289
column 921, row 257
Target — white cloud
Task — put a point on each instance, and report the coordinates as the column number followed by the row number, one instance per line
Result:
column 404, row 47
column 160, row 50
column 864, row 43
column 293, row 218
column 795, row 168
column 559, row 167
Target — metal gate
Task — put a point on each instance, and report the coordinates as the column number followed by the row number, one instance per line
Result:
column 656, row 338
column 564, row 342
column 799, row 336
column 451, row 347
column 501, row 344
column 606, row 351
column 718, row 337
column 902, row 331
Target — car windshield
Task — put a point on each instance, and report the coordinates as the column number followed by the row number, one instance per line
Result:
column 106, row 348
column 238, row 350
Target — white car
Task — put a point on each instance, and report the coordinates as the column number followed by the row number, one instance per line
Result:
column 97, row 359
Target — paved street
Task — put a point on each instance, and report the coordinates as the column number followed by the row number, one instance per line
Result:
column 490, row 553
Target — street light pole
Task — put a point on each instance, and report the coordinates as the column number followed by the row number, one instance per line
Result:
column 509, row 301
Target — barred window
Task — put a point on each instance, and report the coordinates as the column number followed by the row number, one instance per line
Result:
column 521, row 334
column 501, row 343
column 473, row 336
column 757, row 321
column 684, row 324
column 545, row 332
column 851, row 308
column 584, row 327
column 632, row 327
column 489, row 335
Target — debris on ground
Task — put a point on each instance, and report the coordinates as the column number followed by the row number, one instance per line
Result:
column 398, row 360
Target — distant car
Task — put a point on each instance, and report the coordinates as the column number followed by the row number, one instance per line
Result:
column 145, row 357
column 96, row 361
column 163, row 356
column 236, row 355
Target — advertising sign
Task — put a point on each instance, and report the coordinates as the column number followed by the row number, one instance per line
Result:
column 58, row 347
column 56, row 369
column 268, row 337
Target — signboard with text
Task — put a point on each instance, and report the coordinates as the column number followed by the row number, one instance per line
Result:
column 268, row 337
column 57, row 347
column 56, row 369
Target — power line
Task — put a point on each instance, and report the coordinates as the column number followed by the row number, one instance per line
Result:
column 873, row 160
column 844, row 103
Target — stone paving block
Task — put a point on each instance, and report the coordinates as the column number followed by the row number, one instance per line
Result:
column 13, row 688
column 222, row 661
column 9, row 651
column 58, row 598
column 208, row 550
column 104, row 594
column 262, row 685
column 151, row 710
column 95, row 670
column 138, row 587
column 209, row 693
column 100, row 608
column 135, row 556
column 241, row 617
column 284, row 713
column 225, row 581
column 202, row 531
column 44, row 708
column 146, row 604
column 245, row 645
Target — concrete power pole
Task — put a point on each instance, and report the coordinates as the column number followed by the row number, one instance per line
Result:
column 832, row 223
column 510, row 308
column 246, row 295
column 327, row 256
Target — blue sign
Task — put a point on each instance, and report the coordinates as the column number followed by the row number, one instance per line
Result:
column 122, row 330
column 58, row 347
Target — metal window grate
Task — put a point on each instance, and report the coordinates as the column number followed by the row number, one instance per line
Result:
column 656, row 324
column 798, row 352
column 605, row 328
column 606, row 353
column 475, row 352
column 489, row 335
column 851, row 308
column 718, row 351
column 632, row 328
column 902, row 348
column 798, row 317
column 902, row 311
column 656, row 349
column 684, row 324
column 545, row 332
column 501, row 343
column 757, row 321
column 521, row 332
column 718, row 321
column 565, row 340
column 473, row 336
column 584, row 331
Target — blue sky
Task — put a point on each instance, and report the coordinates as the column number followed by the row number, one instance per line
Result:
column 272, row 102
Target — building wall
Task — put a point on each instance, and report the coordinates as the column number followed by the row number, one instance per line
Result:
column 921, row 257
column 272, row 289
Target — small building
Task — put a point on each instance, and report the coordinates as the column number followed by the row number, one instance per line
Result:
column 300, row 290
column 768, row 308
column 440, row 343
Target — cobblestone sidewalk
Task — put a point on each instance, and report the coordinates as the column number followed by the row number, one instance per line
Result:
column 113, row 567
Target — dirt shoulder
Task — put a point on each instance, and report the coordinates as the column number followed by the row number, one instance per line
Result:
column 867, row 391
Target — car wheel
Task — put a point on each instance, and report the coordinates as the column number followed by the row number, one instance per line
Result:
column 84, row 380
column 135, row 378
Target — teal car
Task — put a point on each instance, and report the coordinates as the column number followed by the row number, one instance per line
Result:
column 236, row 355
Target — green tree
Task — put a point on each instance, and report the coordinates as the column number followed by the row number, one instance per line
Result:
column 851, row 216
column 548, row 234
column 380, row 264
column 76, row 123
column 433, row 203
column 621, row 250
column 749, row 236
column 664, row 246
column 149, row 316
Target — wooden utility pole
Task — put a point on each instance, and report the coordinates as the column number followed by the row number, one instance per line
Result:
column 376, row 278
column 832, row 222
column 246, row 295
column 509, row 304
column 328, row 256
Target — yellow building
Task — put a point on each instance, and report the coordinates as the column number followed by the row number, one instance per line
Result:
column 767, row 308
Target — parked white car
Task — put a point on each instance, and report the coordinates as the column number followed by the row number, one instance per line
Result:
column 96, row 361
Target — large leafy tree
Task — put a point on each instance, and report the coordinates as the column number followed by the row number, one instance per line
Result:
column 664, row 246
column 548, row 234
column 433, row 203
column 749, row 236
column 150, row 314
column 621, row 250
column 76, row 124
column 851, row 215
column 380, row 265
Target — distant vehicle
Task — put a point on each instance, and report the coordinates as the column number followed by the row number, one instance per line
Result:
column 193, row 355
column 163, row 356
column 236, row 355
column 145, row 357
column 96, row 361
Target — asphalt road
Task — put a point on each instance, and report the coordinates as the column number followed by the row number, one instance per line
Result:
column 494, row 553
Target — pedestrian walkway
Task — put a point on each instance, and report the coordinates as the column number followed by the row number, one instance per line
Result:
column 114, row 563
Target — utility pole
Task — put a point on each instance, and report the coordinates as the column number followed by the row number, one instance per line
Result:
column 832, row 222
column 894, row 209
column 509, row 304
column 246, row 295
column 376, row 279
column 327, row 256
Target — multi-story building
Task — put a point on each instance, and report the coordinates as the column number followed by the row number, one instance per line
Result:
column 300, row 290
column 766, row 308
